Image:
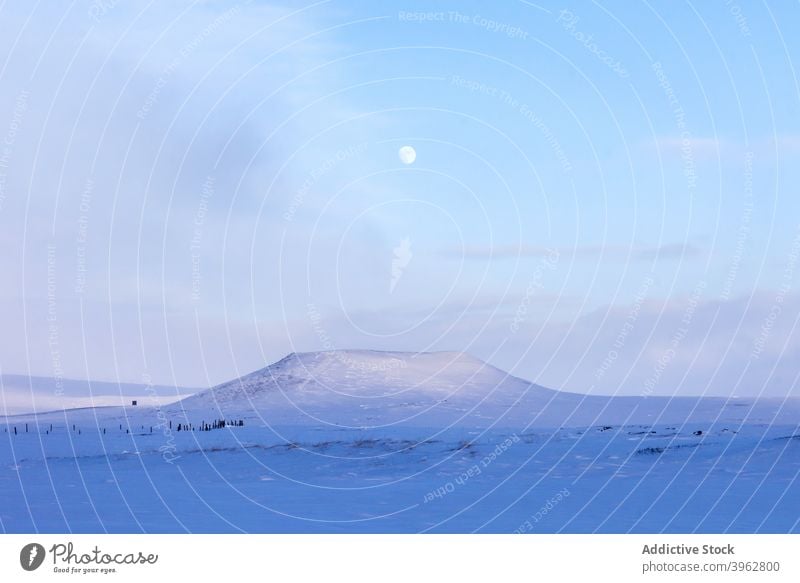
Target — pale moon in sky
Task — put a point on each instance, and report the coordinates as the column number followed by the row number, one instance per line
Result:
column 407, row 154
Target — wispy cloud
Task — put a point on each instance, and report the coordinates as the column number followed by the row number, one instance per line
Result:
column 671, row 251
column 720, row 148
column 700, row 147
column 610, row 252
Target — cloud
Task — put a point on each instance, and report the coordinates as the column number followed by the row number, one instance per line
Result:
column 689, row 344
column 698, row 146
column 610, row 252
column 787, row 143
column 719, row 148
column 671, row 251
column 128, row 112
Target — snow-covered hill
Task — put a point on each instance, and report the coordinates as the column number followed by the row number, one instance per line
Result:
column 367, row 388
column 360, row 441
column 356, row 388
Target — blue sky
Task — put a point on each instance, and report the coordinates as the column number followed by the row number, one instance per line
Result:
column 603, row 197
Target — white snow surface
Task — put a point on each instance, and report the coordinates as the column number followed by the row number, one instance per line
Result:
column 364, row 441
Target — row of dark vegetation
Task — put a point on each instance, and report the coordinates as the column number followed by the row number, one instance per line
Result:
column 203, row 426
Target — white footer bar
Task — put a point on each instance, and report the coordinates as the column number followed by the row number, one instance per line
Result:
column 388, row 558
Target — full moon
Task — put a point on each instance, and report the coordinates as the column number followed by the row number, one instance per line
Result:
column 407, row 154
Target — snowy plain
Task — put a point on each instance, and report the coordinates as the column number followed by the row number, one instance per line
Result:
column 362, row 441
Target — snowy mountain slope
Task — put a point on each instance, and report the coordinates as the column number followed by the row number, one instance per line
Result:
column 367, row 388
column 351, row 388
column 359, row 441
